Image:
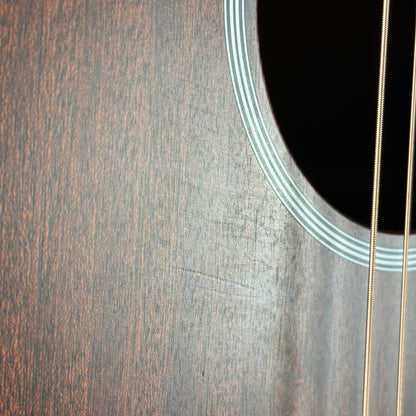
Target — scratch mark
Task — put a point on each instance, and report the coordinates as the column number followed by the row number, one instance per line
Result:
column 211, row 277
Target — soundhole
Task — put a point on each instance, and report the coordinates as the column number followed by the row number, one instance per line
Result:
column 320, row 61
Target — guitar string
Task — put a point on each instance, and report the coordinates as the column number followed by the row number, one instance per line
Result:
column 375, row 205
column 409, row 187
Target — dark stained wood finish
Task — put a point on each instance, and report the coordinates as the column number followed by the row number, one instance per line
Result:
column 146, row 265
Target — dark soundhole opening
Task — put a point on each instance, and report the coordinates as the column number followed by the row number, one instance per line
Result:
column 320, row 61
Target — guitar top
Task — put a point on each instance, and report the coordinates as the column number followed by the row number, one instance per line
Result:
column 161, row 252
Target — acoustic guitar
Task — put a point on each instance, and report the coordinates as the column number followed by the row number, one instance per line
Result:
column 162, row 251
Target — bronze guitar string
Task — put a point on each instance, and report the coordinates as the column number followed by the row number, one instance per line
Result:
column 375, row 205
column 409, row 186
column 374, row 219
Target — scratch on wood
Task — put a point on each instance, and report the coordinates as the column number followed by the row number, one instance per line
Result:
column 218, row 280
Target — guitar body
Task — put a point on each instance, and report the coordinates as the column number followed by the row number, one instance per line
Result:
column 150, row 260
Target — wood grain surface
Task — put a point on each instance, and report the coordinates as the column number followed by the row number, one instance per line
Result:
column 146, row 265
